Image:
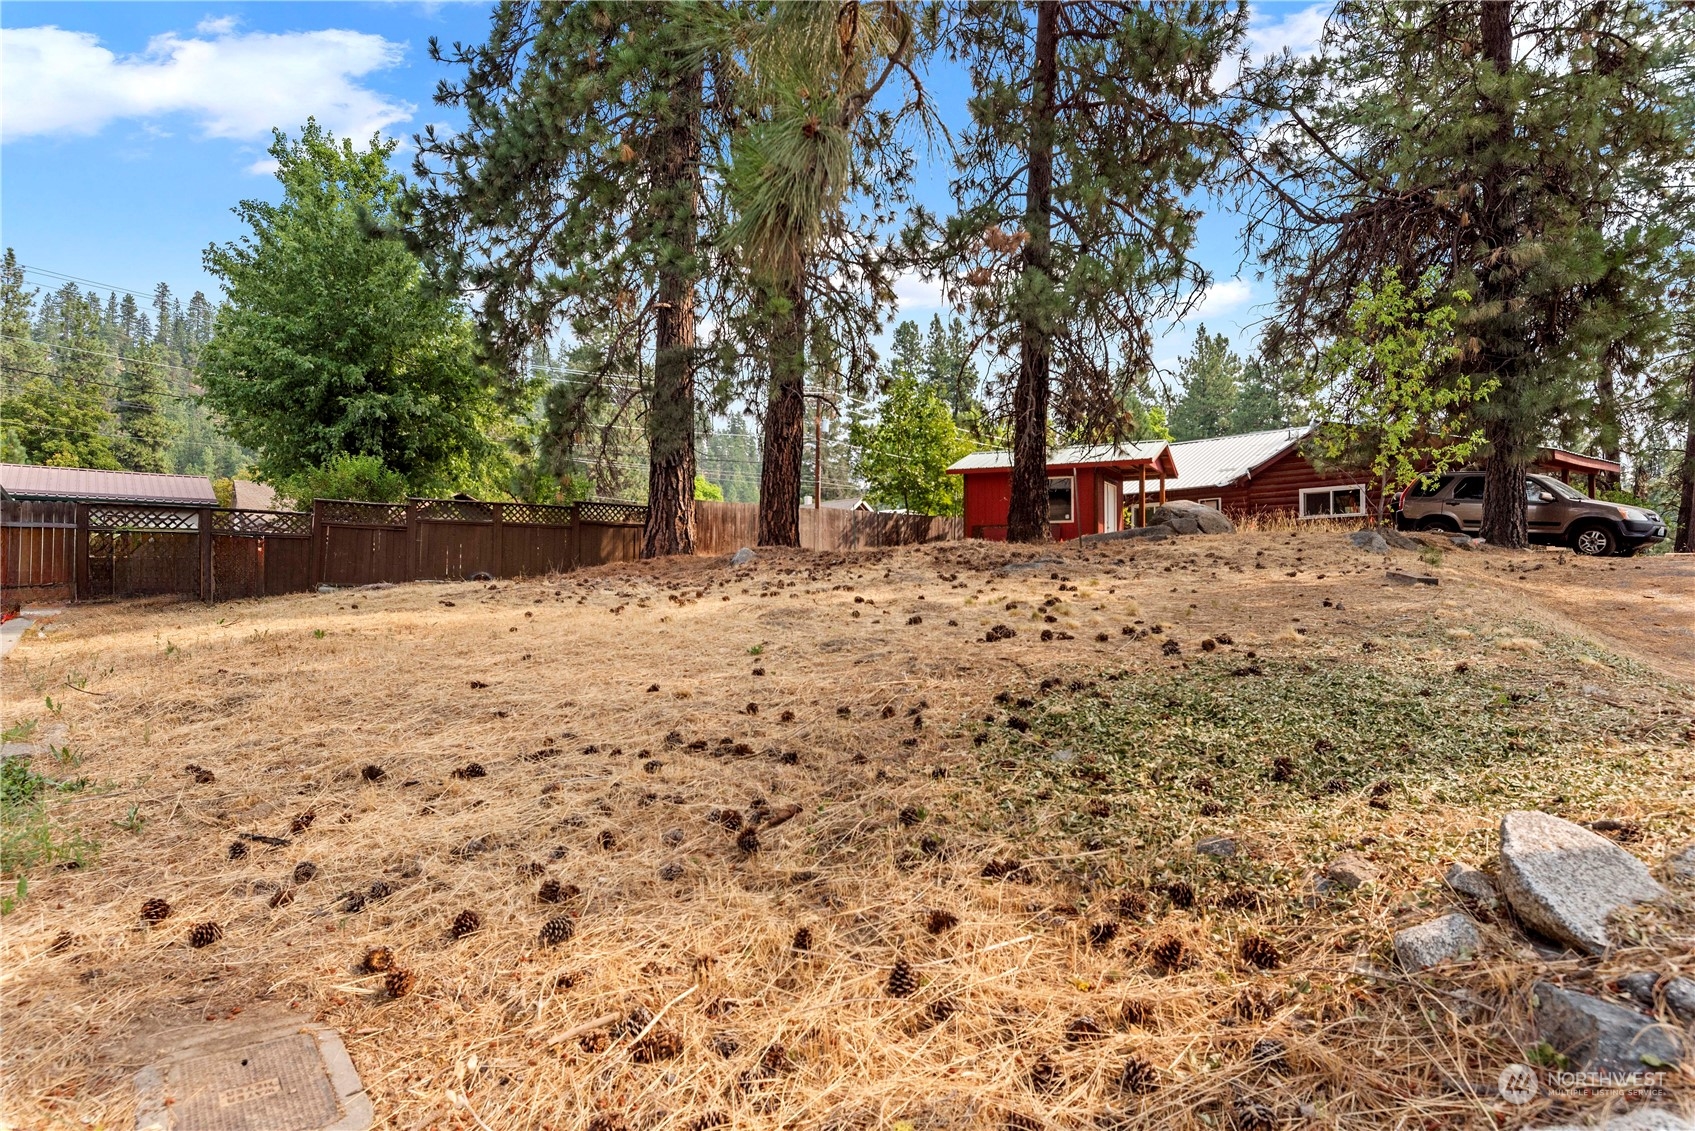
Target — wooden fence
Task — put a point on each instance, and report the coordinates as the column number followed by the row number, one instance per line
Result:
column 83, row 551
column 724, row 528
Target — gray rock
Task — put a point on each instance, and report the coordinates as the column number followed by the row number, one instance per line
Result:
column 1063, row 754
column 1370, row 541
column 742, row 556
column 1642, row 1119
column 1465, row 542
column 1396, row 577
column 1682, row 865
column 1398, row 540
column 1564, row 880
column 1680, row 999
column 1474, row 885
column 1639, row 987
column 1349, row 871
column 1216, row 846
column 1187, row 517
column 1599, row 1036
column 1450, row 938
column 1145, row 533
column 672, row 837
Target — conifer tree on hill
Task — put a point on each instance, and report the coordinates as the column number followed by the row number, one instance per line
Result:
column 1092, row 124
column 1516, row 147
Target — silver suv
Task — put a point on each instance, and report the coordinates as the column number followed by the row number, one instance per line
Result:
column 1555, row 512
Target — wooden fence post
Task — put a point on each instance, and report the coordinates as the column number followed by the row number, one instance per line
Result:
column 79, row 554
column 499, row 569
column 577, row 535
column 205, row 523
column 413, row 531
column 315, row 573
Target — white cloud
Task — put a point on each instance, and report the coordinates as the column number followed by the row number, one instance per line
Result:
column 914, row 292
column 233, row 85
column 222, row 25
column 1222, row 297
column 1296, row 29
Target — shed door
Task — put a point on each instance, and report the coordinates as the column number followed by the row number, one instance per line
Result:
column 1112, row 504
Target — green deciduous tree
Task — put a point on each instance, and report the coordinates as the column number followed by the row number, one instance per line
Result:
column 903, row 456
column 362, row 478
column 1093, row 125
column 1387, row 391
column 334, row 343
column 1519, row 148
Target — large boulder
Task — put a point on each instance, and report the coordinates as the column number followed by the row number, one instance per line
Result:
column 1370, row 541
column 1188, row 517
column 1564, row 880
column 1599, row 1036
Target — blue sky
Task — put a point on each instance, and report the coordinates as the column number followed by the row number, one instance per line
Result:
column 127, row 131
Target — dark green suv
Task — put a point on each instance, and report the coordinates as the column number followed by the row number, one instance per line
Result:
column 1555, row 512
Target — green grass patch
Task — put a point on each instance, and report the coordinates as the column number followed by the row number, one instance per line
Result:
column 29, row 837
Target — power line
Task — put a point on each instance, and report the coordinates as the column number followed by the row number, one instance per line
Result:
column 102, row 353
column 90, row 381
column 60, row 275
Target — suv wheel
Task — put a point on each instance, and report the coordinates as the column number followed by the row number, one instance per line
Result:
column 1594, row 541
column 1437, row 522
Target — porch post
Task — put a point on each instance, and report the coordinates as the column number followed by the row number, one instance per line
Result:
column 1162, row 486
column 1142, row 497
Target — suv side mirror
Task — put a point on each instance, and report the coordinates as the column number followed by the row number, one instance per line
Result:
column 1544, row 497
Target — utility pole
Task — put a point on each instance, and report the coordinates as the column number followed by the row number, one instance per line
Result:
column 818, row 445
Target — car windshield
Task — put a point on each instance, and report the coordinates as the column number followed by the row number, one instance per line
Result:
column 1563, row 490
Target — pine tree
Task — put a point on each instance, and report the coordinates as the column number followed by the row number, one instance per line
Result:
column 1211, row 375
column 1515, row 146
column 816, row 140
column 1263, row 403
column 144, row 431
column 55, row 388
column 162, row 314
column 575, row 196
column 1092, row 126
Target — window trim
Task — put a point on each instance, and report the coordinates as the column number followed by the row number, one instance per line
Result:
column 1071, row 511
column 1301, row 511
column 1216, row 503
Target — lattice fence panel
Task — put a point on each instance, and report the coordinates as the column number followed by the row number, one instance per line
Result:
column 363, row 514
column 535, row 514
column 261, row 522
column 613, row 514
column 453, row 510
column 142, row 518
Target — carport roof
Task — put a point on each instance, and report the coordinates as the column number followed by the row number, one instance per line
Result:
column 84, row 484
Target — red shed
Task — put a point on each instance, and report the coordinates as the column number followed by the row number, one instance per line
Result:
column 1087, row 487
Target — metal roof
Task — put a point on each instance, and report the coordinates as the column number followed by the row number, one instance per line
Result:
column 1150, row 452
column 1221, row 460
column 27, row 481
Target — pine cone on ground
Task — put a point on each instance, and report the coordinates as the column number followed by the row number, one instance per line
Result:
column 379, row 959
column 1260, row 952
column 467, row 922
column 1137, row 1077
column 557, row 930
column 155, row 911
column 903, row 980
column 399, row 983
column 204, row 934
column 940, row 921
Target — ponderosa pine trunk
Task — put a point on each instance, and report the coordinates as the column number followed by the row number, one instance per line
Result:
column 1504, row 517
column 671, row 461
column 1027, row 512
column 1685, row 542
column 785, row 424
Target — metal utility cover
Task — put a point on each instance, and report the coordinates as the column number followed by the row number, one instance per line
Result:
column 294, row 1077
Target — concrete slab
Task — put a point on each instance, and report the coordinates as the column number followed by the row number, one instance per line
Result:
column 13, row 631
column 265, row 1072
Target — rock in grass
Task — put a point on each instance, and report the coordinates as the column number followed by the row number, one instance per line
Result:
column 1349, row 871
column 1474, row 885
column 1599, row 1036
column 1682, row 865
column 742, row 556
column 1370, row 541
column 1564, row 880
column 1448, row 939
column 1220, row 846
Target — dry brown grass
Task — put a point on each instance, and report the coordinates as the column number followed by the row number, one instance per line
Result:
column 595, row 780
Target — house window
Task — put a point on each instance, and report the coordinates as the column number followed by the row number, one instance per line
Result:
column 1215, row 504
column 1060, row 490
column 1332, row 502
